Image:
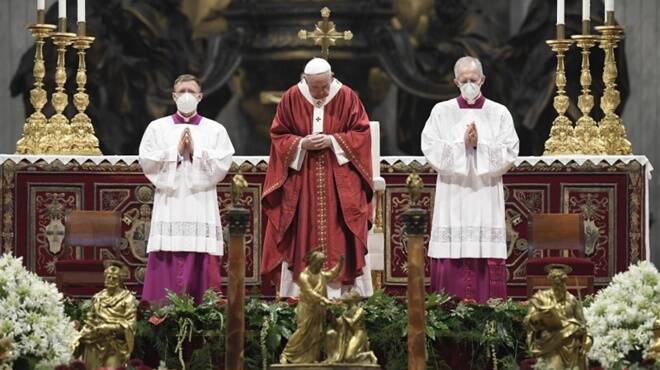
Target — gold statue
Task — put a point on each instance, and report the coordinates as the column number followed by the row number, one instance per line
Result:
column 654, row 351
column 556, row 328
column 5, row 349
column 415, row 185
column 304, row 345
column 106, row 339
column 238, row 184
column 347, row 342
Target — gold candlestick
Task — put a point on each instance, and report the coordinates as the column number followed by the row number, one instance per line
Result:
column 562, row 136
column 82, row 139
column 58, row 129
column 35, row 124
column 612, row 131
column 587, row 133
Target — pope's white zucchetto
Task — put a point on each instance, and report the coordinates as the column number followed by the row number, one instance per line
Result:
column 316, row 66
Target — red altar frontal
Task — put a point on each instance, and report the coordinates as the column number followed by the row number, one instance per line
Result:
column 610, row 192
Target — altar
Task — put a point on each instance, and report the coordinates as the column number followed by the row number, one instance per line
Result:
column 611, row 192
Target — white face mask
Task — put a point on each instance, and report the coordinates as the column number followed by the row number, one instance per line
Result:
column 470, row 91
column 186, row 103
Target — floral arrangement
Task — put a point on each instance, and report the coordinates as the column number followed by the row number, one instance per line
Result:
column 32, row 317
column 621, row 316
column 188, row 336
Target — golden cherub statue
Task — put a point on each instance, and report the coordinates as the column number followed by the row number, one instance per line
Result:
column 556, row 328
column 304, row 345
column 238, row 185
column 347, row 341
column 415, row 185
column 107, row 337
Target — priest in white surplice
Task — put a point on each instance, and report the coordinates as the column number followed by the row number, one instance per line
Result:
column 471, row 142
column 184, row 155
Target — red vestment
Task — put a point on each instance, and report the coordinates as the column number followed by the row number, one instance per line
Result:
column 323, row 205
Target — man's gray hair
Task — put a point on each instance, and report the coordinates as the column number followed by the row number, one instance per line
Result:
column 465, row 60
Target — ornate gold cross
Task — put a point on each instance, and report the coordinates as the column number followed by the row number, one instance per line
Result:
column 325, row 33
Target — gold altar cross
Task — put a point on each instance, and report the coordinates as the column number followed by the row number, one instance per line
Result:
column 325, row 33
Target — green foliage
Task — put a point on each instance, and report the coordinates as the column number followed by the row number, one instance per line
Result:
column 184, row 334
column 193, row 335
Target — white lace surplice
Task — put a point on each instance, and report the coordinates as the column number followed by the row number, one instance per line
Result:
column 185, row 217
column 468, row 214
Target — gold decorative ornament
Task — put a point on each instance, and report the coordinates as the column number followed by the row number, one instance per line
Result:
column 379, row 226
column 415, row 185
column 35, row 124
column 325, row 33
column 347, row 340
column 107, row 338
column 82, row 140
column 587, row 133
column 54, row 140
column 238, row 185
column 414, row 17
column 612, row 130
column 305, row 344
column 556, row 329
column 562, row 136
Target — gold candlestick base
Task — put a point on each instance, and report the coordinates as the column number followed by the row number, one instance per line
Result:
column 35, row 124
column 82, row 140
column 562, row 136
column 612, row 130
column 587, row 133
column 57, row 132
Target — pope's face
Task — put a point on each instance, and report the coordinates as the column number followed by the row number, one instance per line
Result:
column 319, row 85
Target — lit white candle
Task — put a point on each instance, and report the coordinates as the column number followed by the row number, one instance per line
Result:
column 609, row 5
column 81, row 10
column 560, row 12
column 61, row 7
column 586, row 10
column 41, row 4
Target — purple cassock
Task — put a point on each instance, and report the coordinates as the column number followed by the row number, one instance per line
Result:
column 478, row 278
column 181, row 271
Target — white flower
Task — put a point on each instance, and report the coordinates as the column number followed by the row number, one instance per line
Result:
column 621, row 316
column 32, row 315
